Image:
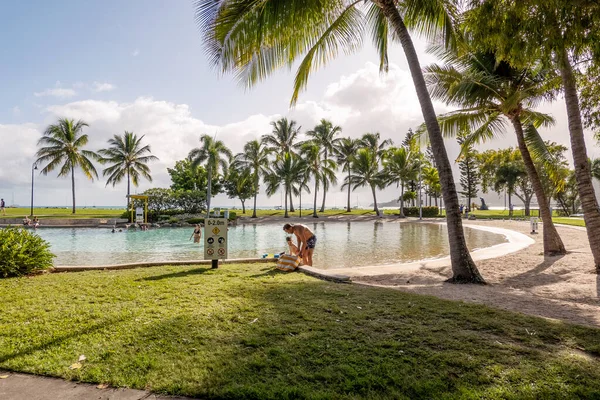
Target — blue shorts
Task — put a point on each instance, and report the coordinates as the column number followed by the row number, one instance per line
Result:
column 311, row 242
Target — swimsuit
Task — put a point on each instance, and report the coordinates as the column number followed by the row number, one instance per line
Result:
column 311, row 242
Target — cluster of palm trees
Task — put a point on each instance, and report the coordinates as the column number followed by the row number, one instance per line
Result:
column 63, row 148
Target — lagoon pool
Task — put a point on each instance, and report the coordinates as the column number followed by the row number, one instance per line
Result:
column 340, row 244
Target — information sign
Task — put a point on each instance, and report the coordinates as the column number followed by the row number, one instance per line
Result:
column 215, row 239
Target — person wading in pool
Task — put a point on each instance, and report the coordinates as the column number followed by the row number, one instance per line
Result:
column 306, row 241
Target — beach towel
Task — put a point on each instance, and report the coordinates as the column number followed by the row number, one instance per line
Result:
column 288, row 262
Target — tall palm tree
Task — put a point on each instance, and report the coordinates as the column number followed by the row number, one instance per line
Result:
column 399, row 168
column 507, row 176
column 255, row 157
column 431, row 178
column 320, row 169
column 284, row 173
column 217, row 158
column 64, row 143
column 254, row 38
column 366, row 173
column 324, row 135
column 372, row 141
column 345, row 150
column 282, row 140
column 129, row 159
column 492, row 92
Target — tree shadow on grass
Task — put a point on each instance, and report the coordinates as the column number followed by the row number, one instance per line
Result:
column 180, row 274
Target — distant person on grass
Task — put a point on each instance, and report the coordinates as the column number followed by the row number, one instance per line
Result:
column 2, row 205
column 306, row 241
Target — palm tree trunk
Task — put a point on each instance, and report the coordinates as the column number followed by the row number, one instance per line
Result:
column 255, row 195
column 348, row 208
column 510, row 207
column 285, row 214
column 291, row 202
column 376, row 209
column 463, row 267
column 208, row 190
column 553, row 244
column 401, row 215
column 73, row 185
column 128, row 187
column 315, row 202
column 243, row 206
column 324, row 195
column 589, row 204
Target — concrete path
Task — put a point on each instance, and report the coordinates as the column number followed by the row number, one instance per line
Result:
column 31, row 387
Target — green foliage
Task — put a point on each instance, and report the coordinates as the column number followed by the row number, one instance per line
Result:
column 239, row 184
column 194, row 221
column 173, row 220
column 427, row 212
column 184, row 176
column 468, row 166
column 22, row 253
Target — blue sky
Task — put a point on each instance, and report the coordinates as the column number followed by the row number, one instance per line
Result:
column 139, row 65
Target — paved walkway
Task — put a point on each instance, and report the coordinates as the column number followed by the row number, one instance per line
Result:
column 31, row 387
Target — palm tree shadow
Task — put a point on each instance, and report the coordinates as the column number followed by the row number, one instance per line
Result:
column 268, row 272
column 180, row 274
column 536, row 276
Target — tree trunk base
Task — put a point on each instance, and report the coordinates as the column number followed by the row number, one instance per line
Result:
column 463, row 280
column 315, row 216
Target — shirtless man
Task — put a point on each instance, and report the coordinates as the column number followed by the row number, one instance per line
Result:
column 306, row 241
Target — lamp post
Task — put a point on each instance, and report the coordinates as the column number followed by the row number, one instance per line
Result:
column 33, row 168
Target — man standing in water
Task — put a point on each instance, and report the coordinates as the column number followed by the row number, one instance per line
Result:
column 2, row 205
column 306, row 241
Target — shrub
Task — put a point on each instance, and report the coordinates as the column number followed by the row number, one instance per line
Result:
column 173, row 220
column 23, row 252
column 194, row 221
column 428, row 212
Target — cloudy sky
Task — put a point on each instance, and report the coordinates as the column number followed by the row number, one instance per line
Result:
column 139, row 66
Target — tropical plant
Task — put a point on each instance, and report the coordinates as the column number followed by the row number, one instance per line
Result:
column 469, row 170
column 255, row 38
column 345, row 150
column 366, row 173
column 507, row 176
column 320, row 169
column 239, row 183
column 216, row 156
column 372, row 141
column 431, row 178
column 324, row 135
column 399, row 167
column 128, row 158
column 64, row 142
column 557, row 33
column 490, row 92
column 23, row 253
column 185, row 176
column 285, row 172
column 255, row 157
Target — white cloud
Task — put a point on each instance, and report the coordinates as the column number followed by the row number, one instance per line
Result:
column 135, row 53
column 16, row 110
column 56, row 92
column 103, row 87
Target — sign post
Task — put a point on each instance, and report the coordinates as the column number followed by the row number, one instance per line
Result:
column 215, row 240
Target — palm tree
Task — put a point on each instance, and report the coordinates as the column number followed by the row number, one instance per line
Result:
column 366, row 173
column 371, row 141
column 345, row 150
column 255, row 38
column 431, row 178
column 507, row 176
column 321, row 169
column 129, row 159
column 324, row 135
column 399, row 168
column 491, row 92
column 285, row 171
column 216, row 156
column 255, row 157
column 282, row 141
column 64, row 143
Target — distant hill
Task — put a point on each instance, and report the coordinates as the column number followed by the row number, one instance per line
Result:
column 393, row 203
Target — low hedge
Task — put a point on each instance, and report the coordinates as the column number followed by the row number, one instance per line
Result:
column 23, row 253
column 428, row 212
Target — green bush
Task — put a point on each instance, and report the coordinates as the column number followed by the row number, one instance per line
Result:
column 194, row 221
column 23, row 252
column 428, row 212
column 173, row 220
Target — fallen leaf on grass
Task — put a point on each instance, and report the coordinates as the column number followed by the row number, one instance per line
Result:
column 254, row 320
column 75, row 366
column 102, row 386
column 3, row 376
column 82, row 358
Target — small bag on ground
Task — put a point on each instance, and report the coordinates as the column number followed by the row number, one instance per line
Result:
column 288, row 262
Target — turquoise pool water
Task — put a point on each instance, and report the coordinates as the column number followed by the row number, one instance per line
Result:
column 340, row 244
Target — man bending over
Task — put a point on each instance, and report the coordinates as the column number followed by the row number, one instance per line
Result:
column 306, row 241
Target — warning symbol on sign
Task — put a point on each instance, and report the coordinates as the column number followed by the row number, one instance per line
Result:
column 210, row 252
column 216, row 231
column 221, row 240
column 211, row 240
column 221, row 252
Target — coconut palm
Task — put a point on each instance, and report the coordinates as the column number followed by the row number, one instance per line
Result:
column 64, row 143
column 491, row 93
column 255, row 157
column 399, row 168
column 372, row 141
column 431, row 178
column 253, row 39
column 320, row 169
column 284, row 173
column 128, row 158
column 324, row 135
column 216, row 156
column 282, row 140
column 366, row 173
column 345, row 150
column 507, row 176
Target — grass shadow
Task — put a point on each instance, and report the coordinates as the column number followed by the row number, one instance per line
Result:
column 180, row 274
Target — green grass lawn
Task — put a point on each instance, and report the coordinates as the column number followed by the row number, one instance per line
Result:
column 249, row 331
column 62, row 213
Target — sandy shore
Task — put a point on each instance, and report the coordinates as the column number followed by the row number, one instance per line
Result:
column 562, row 288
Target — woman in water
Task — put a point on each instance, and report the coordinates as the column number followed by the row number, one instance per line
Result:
column 197, row 235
